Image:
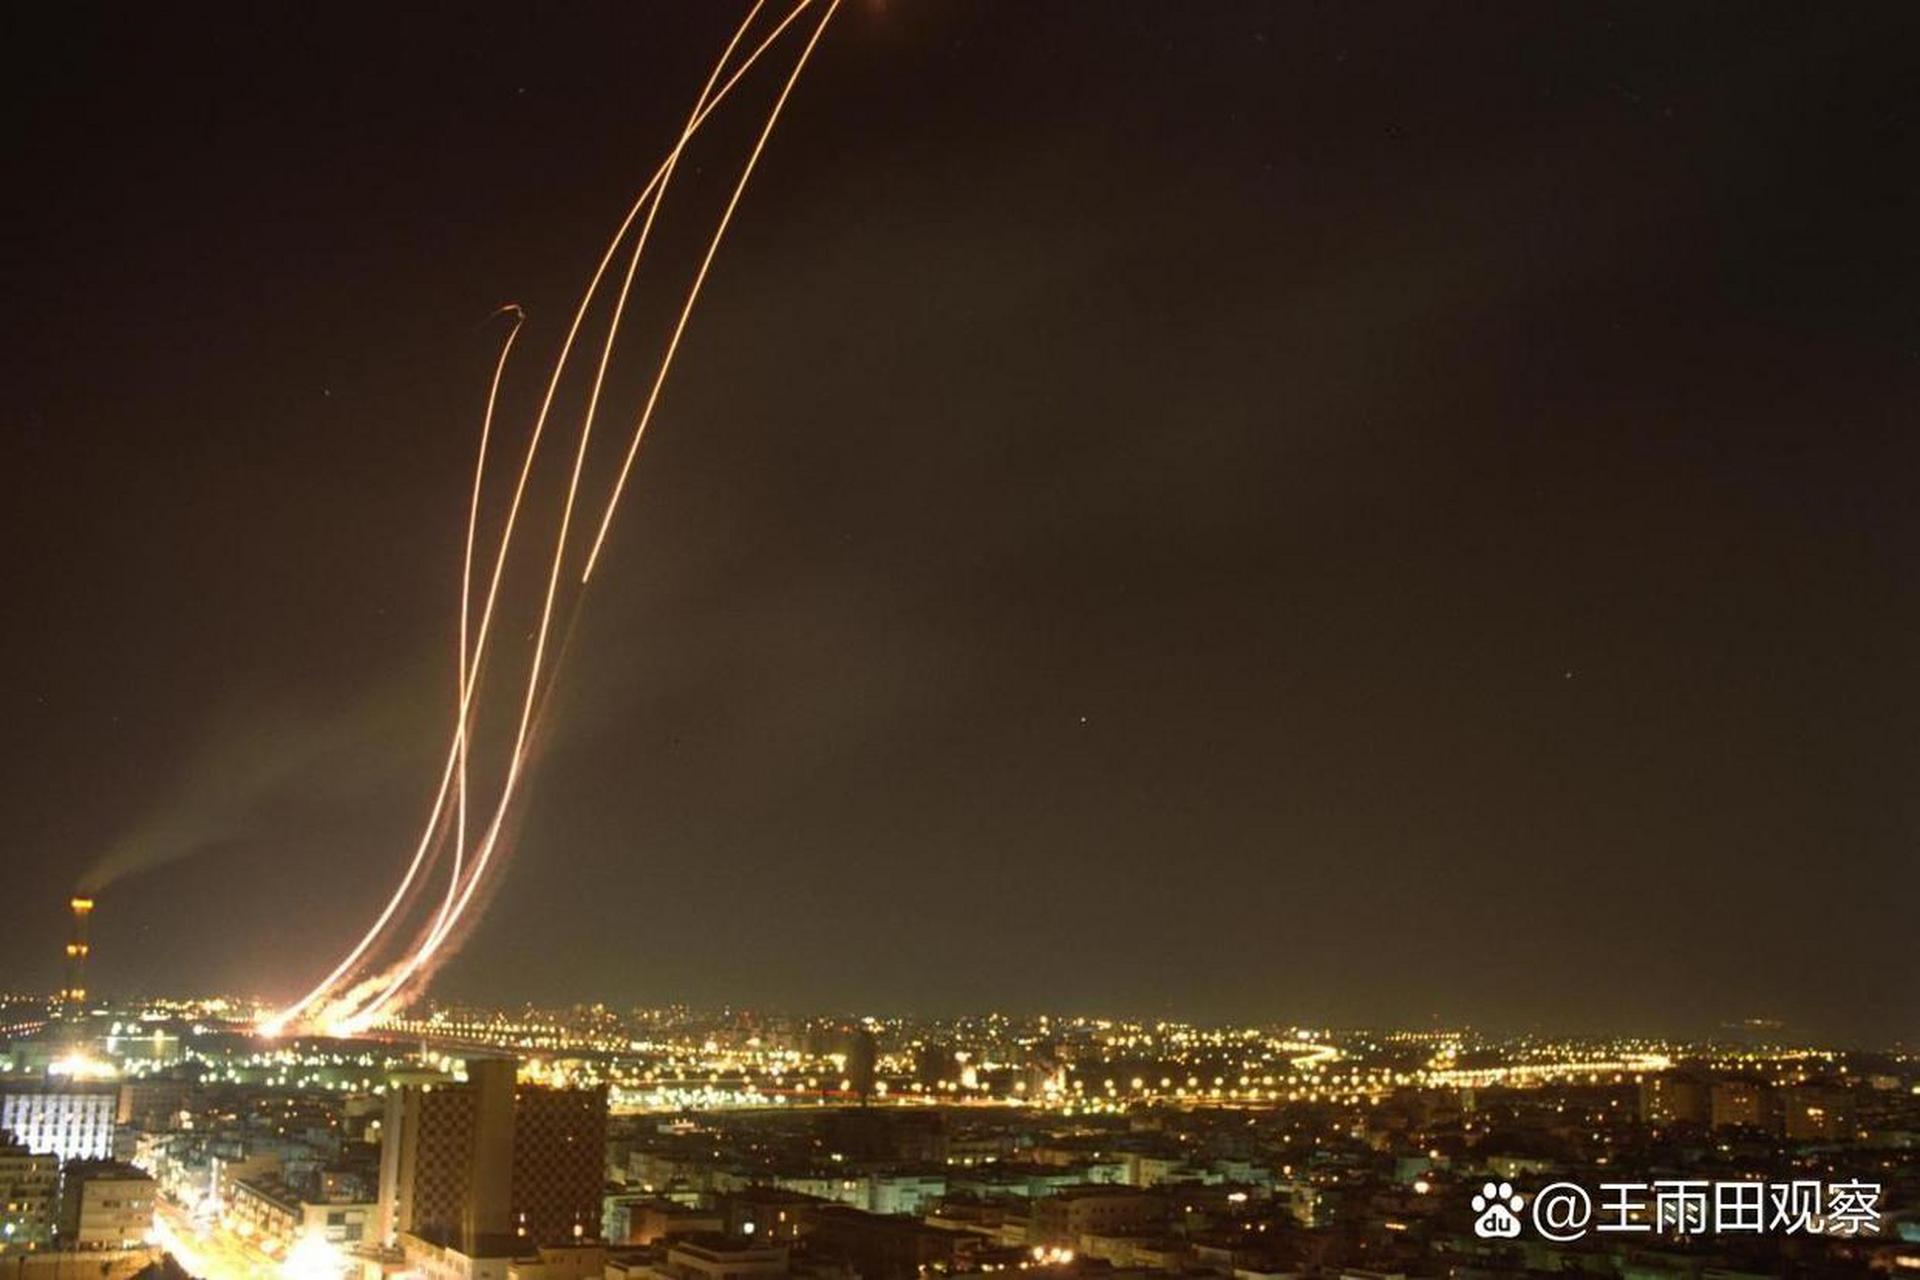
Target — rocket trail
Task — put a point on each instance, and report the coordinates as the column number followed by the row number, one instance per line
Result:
column 517, row 761
column 655, row 193
column 392, row 987
column 457, row 760
column 369, row 1010
column 282, row 1019
column 699, row 279
column 467, row 675
column 647, row 195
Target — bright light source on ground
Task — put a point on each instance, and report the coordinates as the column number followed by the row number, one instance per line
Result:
column 312, row 1259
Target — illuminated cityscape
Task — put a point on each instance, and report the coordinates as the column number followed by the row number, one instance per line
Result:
column 906, row 639
column 673, row 1142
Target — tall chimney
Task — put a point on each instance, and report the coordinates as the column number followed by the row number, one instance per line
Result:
column 76, row 989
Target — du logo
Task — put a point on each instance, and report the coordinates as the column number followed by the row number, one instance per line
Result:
column 1497, row 1212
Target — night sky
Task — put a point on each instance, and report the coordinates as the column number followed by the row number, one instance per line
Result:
column 1345, row 513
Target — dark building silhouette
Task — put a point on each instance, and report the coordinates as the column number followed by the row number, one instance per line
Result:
column 863, row 1058
column 486, row 1166
column 559, row 1164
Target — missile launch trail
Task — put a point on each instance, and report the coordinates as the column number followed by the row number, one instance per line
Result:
column 517, row 762
column 693, row 293
column 329, row 984
column 457, row 763
column 466, row 674
column 657, row 192
column 347, row 999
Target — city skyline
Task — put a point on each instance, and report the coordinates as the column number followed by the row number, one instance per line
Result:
column 1366, row 518
column 675, row 1144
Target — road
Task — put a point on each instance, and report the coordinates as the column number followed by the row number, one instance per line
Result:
column 210, row 1252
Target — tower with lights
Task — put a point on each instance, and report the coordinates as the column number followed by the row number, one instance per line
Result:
column 74, row 994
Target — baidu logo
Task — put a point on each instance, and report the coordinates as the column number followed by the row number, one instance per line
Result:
column 1497, row 1212
column 1563, row 1212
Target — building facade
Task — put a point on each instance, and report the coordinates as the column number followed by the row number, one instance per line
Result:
column 469, row 1164
column 446, row 1158
column 72, row 1121
column 559, row 1164
column 29, row 1197
column 104, row 1204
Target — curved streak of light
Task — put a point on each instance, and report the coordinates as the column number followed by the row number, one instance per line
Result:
column 693, row 293
column 462, row 736
column 457, row 761
column 370, row 1013
column 282, row 1019
column 657, row 190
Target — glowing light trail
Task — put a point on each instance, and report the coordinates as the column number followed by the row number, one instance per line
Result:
column 374, row 1009
column 693, row 293
column 651, row 197
column 280, row 1021
column 457, row 757
column 367, row 999
column 466, row 674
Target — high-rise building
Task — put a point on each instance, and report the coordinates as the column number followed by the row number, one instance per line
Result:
column 559, row 1164
column 446, row 1159
column 863, row 1058
column 489, row 1168
column 72, row 1120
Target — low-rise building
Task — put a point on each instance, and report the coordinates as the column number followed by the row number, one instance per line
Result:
column 880, row 1247
column 1741, row 1104
column 718, row 1257
column 1066, row 1218
column 104, row 1204
column 29, row 1197
column 1816, row 1113
column 271, row 1212
column 904, row 1192
column 644, row 1219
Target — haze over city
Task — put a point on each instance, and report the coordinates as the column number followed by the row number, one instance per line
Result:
column 1362, row 515
column 918, row 639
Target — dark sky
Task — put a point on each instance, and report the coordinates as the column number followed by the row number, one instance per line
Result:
column 1354, row 513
